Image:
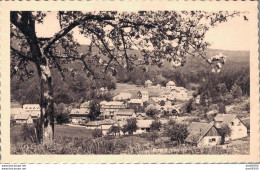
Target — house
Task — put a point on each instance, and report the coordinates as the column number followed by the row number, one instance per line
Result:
column 93, row 125
column 16, row 111
column 170, row 85
column 85, row 105
column 123, row 114
column 144, row 95
column 197, row 99
column 33, row 109
column 238, row 128
column 148, row 83
column 103, row 89
column 135, row 103
column 159, row 99
column 203, row 134
column 108, row 108
column 246, row 121
column 122, row 96
column 158, row 86
column 179, row 93
column 79, row 116
column 151, row 101
column 143, row 126
column 23, row 118
column 103, row 125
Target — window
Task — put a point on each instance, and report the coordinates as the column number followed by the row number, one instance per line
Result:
column 232, row 123
column 212, row 140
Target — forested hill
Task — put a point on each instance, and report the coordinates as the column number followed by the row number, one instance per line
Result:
column 236, row 56
column 79, row 87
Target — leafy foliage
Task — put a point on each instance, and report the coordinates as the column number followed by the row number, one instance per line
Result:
column 131, row 125
column 236, row 91
column 153, row 136
column 176, row 132
column 94, row 110
column 151, row 111
column 96, row 133
column 29, row 132
column 225, row 132
column 156, row 125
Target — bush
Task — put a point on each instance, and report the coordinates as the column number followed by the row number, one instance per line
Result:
column 97, row 133
column 153, row 136
column 29, row 132
column 131, row 125
column 12, row 123
column 156, row 125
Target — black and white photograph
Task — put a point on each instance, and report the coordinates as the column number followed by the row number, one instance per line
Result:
column 145, row 82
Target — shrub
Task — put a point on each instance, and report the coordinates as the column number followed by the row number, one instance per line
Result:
column 96, row 133
column 176, row 132
column 12, row 123
column 153, row 136
column 156, row 125
column 29, row 132
column 131, row 125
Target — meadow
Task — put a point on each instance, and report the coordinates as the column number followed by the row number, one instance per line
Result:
column 79, row 141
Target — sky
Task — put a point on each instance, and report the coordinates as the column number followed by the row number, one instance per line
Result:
column 230, row 35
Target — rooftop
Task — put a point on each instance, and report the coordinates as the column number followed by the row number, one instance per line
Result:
column 31, row 107
column 197, row 130
column 22, row 116
column 225, row 118
column 144, row 123
column 170, row 83
column 124, row 112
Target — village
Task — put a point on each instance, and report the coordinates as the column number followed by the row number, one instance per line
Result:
column 168, row 102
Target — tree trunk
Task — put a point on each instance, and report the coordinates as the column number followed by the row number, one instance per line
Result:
column 46, row 103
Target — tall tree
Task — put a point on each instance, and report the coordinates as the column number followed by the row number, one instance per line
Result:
column 160, row 36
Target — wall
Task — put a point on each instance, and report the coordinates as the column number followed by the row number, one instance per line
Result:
column 206, row 141
column 238, row 130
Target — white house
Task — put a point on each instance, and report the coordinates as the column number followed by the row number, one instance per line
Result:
column 170, row 85
column 79, row 116
column 148, row 83
column 143, row 126
column 103, row 125
column 238, row 128
column 108, row 108
column 144, row 95
column 124, row 114
column 137, row 102
column 16, row 111
column 33, row 109
column 158, row 86
column 85, row 105
column 203, row 134
column 179, row 93
column 23, row 118
column 197, row 99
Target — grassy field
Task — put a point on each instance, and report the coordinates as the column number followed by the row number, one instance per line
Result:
column 60, row 131
column 77, row 140
column 133, row 89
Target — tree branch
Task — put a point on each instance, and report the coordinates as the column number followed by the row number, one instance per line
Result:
column 200, row 54
column 71, row 26
column 124, row 44
column 104, row 44
column 23, row 56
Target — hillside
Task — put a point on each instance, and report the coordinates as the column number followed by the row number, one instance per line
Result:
column 192, row 63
